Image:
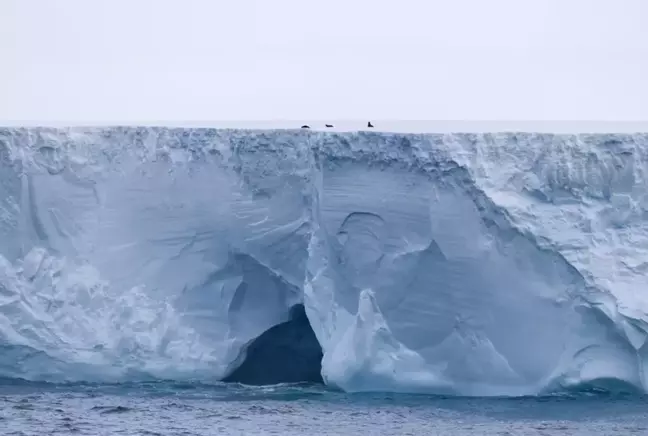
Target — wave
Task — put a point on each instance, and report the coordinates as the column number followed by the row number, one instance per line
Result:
column 454, row 264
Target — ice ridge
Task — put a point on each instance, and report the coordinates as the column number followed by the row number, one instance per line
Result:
column 461, row 264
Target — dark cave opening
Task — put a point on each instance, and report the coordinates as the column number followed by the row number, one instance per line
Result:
column 286, row 353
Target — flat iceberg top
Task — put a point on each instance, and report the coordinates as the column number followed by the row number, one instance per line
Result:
column 457, row 263
column 391, row 126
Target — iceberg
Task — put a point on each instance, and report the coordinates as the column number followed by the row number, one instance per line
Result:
column 455, row 263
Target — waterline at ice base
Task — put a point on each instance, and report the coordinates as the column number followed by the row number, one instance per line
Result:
column 472, row 264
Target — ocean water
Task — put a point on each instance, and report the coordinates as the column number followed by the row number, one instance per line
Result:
column 171, row 408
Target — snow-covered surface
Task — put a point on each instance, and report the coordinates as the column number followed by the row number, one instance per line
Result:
column 381, row 125
column 467, row 264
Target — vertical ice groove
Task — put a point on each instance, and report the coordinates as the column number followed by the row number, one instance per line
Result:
column 473, row 264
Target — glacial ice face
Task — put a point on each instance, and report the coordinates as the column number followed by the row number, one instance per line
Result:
column 468, row 264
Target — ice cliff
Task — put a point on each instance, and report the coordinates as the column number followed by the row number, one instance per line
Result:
column 460, row 264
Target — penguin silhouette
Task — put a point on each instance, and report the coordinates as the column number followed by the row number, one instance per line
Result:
column 369, row 124
column 305, row 127
column 328, row 125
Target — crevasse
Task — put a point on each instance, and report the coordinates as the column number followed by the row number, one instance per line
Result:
column 461, row 264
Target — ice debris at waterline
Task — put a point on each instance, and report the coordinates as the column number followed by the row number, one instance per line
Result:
column 460, row 264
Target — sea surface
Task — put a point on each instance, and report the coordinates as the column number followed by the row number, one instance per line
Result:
column 171, row 408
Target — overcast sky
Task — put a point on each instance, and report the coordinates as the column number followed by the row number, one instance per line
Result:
column 163, row 60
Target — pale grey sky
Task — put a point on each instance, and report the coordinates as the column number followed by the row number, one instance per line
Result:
column 176, row 60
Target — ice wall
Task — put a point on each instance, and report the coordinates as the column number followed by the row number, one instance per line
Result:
column 470, row 264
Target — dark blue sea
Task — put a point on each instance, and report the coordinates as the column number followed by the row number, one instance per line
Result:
column 171, row 408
